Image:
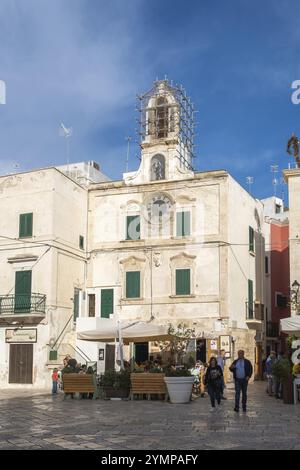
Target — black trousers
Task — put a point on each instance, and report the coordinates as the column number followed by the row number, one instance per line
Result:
column 241, row 385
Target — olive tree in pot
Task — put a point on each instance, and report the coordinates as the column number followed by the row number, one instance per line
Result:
column 177, row 377
column 116, row 384
column 282, row 371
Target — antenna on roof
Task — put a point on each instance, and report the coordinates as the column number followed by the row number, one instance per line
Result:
column 250, row 181
column 66, row 133
column 129, row 139
column 274, row 170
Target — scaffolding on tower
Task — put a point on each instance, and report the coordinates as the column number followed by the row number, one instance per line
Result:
column 167, row 115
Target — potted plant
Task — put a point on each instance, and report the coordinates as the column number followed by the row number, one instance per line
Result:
column 179, row 382
column 282, row 371
column 178, row 378
column 116, row 384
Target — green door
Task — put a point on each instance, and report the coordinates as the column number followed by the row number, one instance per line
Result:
column 23, row 292
column 107, row 302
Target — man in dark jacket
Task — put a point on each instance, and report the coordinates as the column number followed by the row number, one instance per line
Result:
column 242, row 371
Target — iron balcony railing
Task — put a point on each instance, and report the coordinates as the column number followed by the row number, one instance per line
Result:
column 254, row 311
column 272, row 329
column 22, row 303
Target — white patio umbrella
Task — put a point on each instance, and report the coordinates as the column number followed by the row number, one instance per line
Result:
column 291, row 325
column 130, row 332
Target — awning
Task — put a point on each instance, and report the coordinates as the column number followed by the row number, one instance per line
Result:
column 138, row 332
column 290, row 325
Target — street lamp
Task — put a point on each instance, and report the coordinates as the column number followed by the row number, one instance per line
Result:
column 295, row 295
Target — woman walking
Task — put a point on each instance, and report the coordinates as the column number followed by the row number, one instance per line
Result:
column 214, row 380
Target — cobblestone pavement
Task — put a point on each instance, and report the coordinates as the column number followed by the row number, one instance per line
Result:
column 38, row 421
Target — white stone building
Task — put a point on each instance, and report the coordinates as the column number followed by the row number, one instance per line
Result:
column 43, row 234
column 170, row 245
column 165, row 244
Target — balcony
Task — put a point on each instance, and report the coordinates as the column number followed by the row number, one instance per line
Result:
column 22, row 309
column 254, row 315
column 272, row 329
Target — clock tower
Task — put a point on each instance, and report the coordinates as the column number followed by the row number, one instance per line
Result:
column 166, row 135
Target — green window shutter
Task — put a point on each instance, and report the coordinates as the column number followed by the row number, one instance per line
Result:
column 183, row 224
column 81, row 242
column 76, row 304
column 186, row 223
column 183, row 281
column 179, row 224
column 133, row 285
column 23, row 291
column 251, row 239
column 107, row 302
column 133, row 227
column 52, row 355
column 25, row 226
column 250, row 299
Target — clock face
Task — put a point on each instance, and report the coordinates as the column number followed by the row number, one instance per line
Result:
column 158, row 209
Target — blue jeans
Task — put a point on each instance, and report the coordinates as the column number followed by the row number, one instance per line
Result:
column 54, row 387
column 241, row 385
column 215, row 394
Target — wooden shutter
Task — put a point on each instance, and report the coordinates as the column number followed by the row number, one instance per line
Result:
column 107, row 302
column 250, row 299
column 133, row 279
column 186, row 216
column 183, row 281
column 25, row 227
column 92, row 305
column 183, row 224
column 81, row 242
column 133, row 227
column 251, row 239
column 179, row 224
column 23, row 291
column 76, row 304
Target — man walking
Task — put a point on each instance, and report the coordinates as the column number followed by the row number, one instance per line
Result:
column 242, row 371
column 269, row 366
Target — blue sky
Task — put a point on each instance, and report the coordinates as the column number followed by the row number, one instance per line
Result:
column 82, row 62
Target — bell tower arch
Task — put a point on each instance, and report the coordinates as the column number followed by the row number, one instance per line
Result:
column 166, row 118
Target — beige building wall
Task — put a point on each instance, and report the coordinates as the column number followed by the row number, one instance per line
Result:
column 59, row 208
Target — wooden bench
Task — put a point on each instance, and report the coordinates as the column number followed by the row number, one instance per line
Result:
column 81, row 383
column 148, row 384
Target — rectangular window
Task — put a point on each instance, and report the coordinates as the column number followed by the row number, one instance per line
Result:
column 133, row 285
column 250, row 300
column 266, row 265
column 25, row 225
column 133, row 227
column 107, row 302
column 92, row 305
column 183, row 224
column 183, row 281
column 280, row 300
column 81, row 242
column 251, row 239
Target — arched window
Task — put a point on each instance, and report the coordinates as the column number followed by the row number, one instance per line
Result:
column 161, row 117
column 158, row 168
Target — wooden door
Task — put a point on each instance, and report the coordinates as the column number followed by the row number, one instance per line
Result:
column 110, row 356
column 20, row 363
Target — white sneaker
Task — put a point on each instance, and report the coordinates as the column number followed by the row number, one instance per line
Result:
column 212, row 409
